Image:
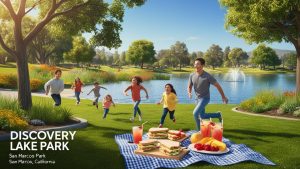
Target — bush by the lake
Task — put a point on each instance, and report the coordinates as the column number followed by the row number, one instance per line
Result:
column 263, row 101
column 88, row 76
column 297, row 113
column 290, row 105
column 9, row 120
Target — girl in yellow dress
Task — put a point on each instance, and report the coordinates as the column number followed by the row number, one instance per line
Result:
column 169, row 100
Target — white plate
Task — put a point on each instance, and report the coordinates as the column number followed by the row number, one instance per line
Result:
column 191, row 147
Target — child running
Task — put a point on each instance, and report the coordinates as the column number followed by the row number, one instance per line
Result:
column 96, row 91
column 169, row 99
column 136, row 88
column 55, row 86
column 77, row 86
column 106, row 103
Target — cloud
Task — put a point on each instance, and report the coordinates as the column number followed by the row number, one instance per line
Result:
column 192, row 38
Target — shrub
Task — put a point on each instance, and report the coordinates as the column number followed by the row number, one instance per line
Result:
column 9, row 120
column 297, row 113
column 42, row 110
column 160, row 76
column 11, row 104
column 262, row 101
column 36, row 84
column 290, row 105
column 50, row 115
column 8, row 81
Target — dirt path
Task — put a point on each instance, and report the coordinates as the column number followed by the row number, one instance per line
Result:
column 67, row 93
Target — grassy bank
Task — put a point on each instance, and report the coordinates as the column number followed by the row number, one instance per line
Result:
column 225, row 70
column 39, row 74
column 95, row 147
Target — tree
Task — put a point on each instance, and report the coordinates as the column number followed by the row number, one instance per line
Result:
column 265, row 56
column 100, row 57
column 237, row 57
column 140, row 52
column 49, row 43
column 81, row 51
column 214, row 56
column 75, row 15
column 116, row 58
column 179, row 51
column 227, row 63
column 123, row 58
column 164, row 53
column 165, row 59
column 289, row 60
column 266, row 21
column 193, row 57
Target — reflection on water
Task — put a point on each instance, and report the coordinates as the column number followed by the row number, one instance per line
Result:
column 235, row 91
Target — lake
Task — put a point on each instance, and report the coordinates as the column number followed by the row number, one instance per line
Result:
column 236, row 91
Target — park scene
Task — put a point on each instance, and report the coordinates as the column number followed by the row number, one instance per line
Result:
column 153, row 84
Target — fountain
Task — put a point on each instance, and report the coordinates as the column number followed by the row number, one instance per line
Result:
column 235, row 75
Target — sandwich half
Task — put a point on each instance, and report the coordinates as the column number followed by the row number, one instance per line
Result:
column 175, row 135
column 170, row 148
column 148, row 145
column 158, row 133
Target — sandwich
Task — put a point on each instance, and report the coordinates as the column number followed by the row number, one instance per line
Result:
column 175, row 135
column 170, row 148
column 158, row 133
column 148, row 145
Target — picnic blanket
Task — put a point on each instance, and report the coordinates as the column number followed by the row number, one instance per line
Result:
column 237, row 153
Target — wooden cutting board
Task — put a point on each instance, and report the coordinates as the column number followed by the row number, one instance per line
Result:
column 157, row 153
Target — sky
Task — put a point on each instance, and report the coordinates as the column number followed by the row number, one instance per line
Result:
column 198, row 23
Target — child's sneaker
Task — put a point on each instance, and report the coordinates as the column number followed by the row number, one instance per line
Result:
column 131, row 119
column 160, row 126
column 96, row 106
column 77, row 103
column 140, row 118
column 174, row 120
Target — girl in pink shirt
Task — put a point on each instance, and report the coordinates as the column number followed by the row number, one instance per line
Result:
column 106, row 103
column 136, row 88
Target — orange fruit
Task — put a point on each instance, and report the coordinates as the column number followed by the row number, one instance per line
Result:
column 196, row 137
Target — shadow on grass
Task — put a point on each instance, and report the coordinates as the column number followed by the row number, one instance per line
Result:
column 124, row 120
column 115, row 114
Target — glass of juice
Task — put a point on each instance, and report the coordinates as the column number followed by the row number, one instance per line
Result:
column 137, row 133
column 217, row 131
column 205, row 127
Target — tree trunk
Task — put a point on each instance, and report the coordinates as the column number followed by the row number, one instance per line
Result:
column 142, row 65
column 298, row 73
column 24, row 93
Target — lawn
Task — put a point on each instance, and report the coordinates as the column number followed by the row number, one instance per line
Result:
column 94, row 146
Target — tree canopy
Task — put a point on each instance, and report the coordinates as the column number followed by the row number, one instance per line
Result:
column 265, row 56
column 140, row 52
column 214, row 56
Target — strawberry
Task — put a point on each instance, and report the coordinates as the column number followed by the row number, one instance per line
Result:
column 207, row 147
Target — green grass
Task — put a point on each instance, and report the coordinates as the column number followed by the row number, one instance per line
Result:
column 94, row 146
